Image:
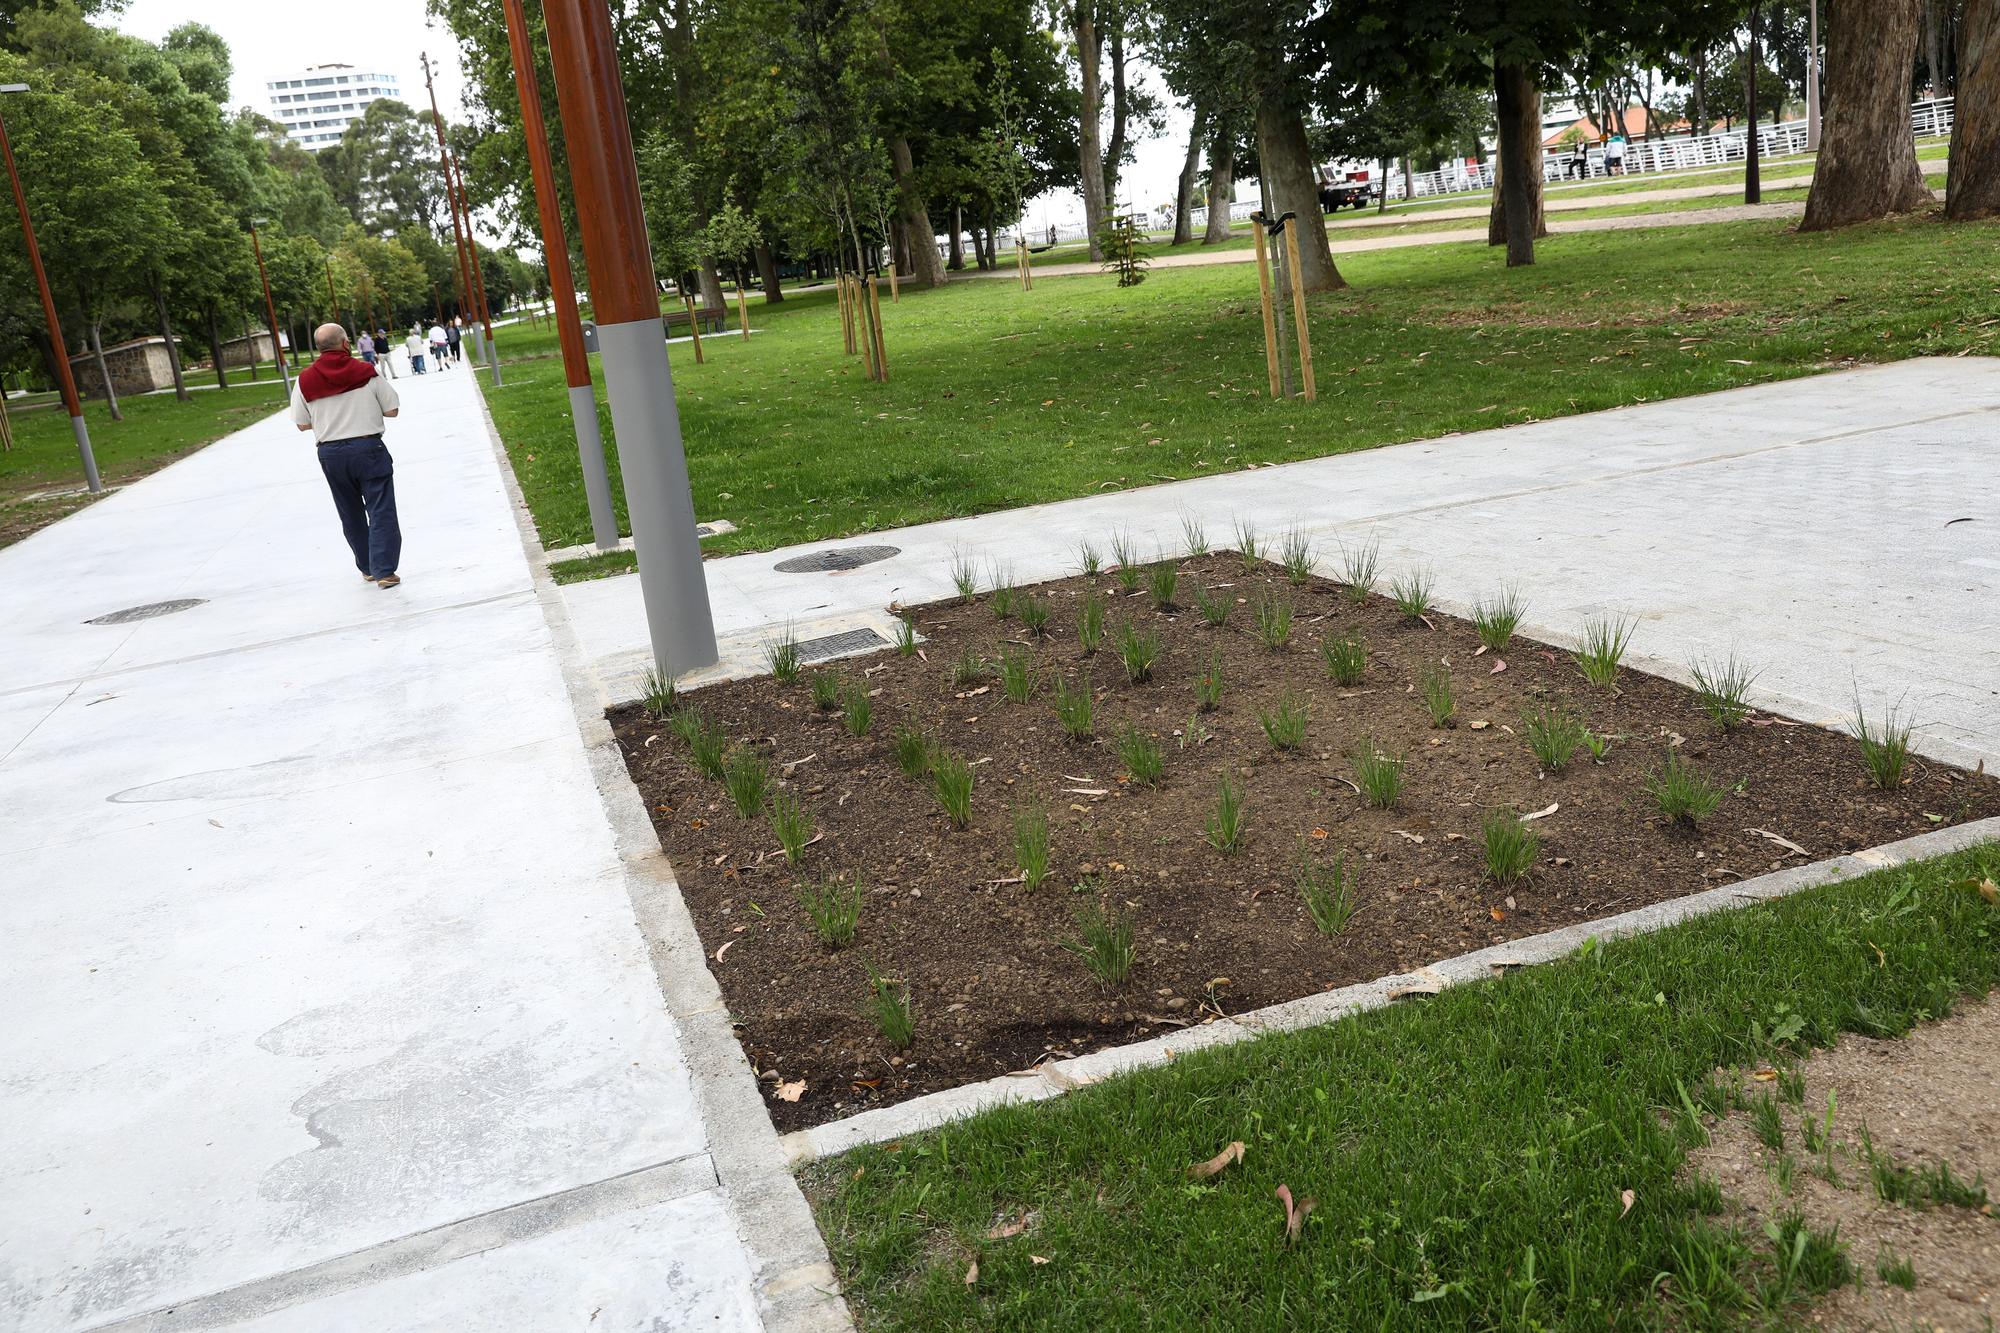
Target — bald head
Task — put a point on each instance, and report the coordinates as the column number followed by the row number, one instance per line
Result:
column 327, row 337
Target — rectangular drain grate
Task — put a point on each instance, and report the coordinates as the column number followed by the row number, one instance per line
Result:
column 838, row 645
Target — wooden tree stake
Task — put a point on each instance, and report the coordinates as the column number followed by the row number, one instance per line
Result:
column 694, row 328
column 1264, row 291
column 1299, row 309
column 875, row 305
column 895, row 294
column 743, row 310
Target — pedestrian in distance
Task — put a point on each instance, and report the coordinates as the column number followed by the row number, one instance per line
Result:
column 1614, row 156
column 414, row 345
column 343, row 402
column 438, row 346
column 386, row 350
column 453, row 337
column 365, row 349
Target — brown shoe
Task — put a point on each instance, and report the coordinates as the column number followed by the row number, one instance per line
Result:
column 387, row 581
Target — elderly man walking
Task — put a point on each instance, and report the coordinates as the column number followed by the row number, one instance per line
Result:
column 342, row 401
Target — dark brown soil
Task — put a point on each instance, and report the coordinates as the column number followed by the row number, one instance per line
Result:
column 992, row 987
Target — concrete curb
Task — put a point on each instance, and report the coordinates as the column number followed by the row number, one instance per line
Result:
column 1061, row 1076
column 796, row 1289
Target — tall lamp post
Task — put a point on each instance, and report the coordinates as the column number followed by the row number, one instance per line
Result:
column 612, row 223
column 270, row 310
column 478, row 273
column 555, row 250
column 64, row 379
column 450, row 195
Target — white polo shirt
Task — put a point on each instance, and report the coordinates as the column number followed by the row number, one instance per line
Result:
column 345, row 416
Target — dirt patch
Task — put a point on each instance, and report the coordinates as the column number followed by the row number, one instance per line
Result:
column 1900, row 1109
column 993, row 987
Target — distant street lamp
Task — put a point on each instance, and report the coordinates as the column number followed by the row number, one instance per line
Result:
column 64, row 379
column 270, row 311
column 460, row 231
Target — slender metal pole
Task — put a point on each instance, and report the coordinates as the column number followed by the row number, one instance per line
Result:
column 64, row 379
column 271, row 312
column 483, row 311
column 555, row 251
column 612, row 223
column 450, row 195
column 1812, row 77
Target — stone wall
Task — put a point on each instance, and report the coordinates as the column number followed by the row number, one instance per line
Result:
column 140, row 366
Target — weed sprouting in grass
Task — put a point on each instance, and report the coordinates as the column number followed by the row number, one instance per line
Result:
column 1792, row 1085
column 1359, row 568
column 889, row 1005
column 1162, row 581
column 1885, row 748
column 1931, row 1185
column 825, row 691
column 1510, row 846
column 1194, row 735
column 1327, row 889
column 1274, row 620
column 1138, row 650
column 1215, row 610
column 951, row 780
column 1896, row 1272
column 1295, row 553
column 1598, row 745
column 1031, row 845
column 1768, row 1123
column 969, row 669
column 1603, row 647
column 1225, row 822
column 1035, row 616
column 1435, row 686
column 659, row 695
column 1194, row 537
column 1090, row 624
column 834, row 910
column 1720, row 688
column 1125, row 560
column 1017, row 674
column 1076, row 708
column 1684, row 796
column 906, row 637
column 964, row 572
column 1411, row 592
column 1496, row 621
column 1346, row 658
column 1088, row 562
column 793, row 825
column 1378, row 773
column 1806, row 1261
column 1284, row 724
column 857, row 709
column 781, row 655
column 706, row 744
column 1103, row 940
column 1208, row 685
column 1141, row 757
column 1553, row 735
column 746, row 778
column 914, row 751
column 1247, row 549
column 1001, row 599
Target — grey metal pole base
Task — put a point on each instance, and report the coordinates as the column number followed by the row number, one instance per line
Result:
column 493, row 360
column 650, row 455
column 596, row 476
column 82, row 433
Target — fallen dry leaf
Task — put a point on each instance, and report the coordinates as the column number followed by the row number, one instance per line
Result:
column 1038, row 1259
column 790, row 1092
column 1542, row 813
column 1496, row 913
column 972, row 1272
column 1008, row 1230
column 1480, row 725
column 1295, row 1213
column 1214, row 1165
column 1985, row 888
column 1625, row 1197
column 724, row 949
column 1500, row 663
column 1786, row 843
column 1765, row 1075
column 1417, row 838
column 1320, row 834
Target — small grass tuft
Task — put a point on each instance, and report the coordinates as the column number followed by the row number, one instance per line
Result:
column 1035, row 616
column 707, row 744
column 1360, row 566
column 1215, row 610
column 1885, row 748
column 1125, row 560
column 660, row 696
column 1603, row 648
column 1274, row 621
column 1411, row 592
column 1720, row 688
column 1208, row 685
column 1327, row 889
column 951, row 780
column 1090, row 624
column 1138, row 650
column 1896, row 1272
column 1031, row 845
column 1346, row 658
column 857, row 710
column 1001, row 600
column 1510, row 846
column 914, row 751
column 1496, row 621
column 1162, row 581
column 1553, row 735
column 889, row 1005
column 1378, row 773
column 1076, row 708
column 1768, row 1123
column 793, row 825
column 906, row 637
column 1295, row 553
column 964, row 574
column 1684, row 796
column 1017, row 674
column 1285, row 724
column 1247, row 549
column 781, row 655
column 825, row 691
column 969, row 669
column 1141, row 757
column 1194, row 536
column 1225, row 823
column 747, row 778
column 1435, row 686
column 834, row 910
column 1088, row 562
column 1103, row 940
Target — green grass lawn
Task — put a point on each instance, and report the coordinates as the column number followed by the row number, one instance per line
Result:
column 999, row 398
column 157, row 429
column 1469, row 1153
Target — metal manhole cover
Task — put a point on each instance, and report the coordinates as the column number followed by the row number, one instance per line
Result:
column 839, row 645
column 146, row 612
column 839, row 558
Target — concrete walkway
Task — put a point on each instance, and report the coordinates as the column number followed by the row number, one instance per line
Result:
column 327, row 1000
column 1811, row 526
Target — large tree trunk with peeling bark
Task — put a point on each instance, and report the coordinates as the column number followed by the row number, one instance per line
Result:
column 1516, row 219
column 1184, row 195
column 1089, row 144
column 1293, row 186
column 1867, row 166
column 1973, row 181
column 926, row 269
column 1221, row 183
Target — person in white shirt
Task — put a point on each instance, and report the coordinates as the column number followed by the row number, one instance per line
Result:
column 414, row 345
column 438, row 346
column 343, row 402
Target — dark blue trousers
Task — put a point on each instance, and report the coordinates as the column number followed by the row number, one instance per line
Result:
column 362, row 477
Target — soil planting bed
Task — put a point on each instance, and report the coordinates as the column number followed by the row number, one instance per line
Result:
column 992, row 986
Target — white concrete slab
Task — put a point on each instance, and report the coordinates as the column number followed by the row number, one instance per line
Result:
column 318, row 934
column 1802, row 524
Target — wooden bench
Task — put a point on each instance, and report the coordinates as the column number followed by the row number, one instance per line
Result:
column 713, row 319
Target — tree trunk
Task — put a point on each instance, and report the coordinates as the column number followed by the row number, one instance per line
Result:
column 1114, row 150
column 104, row 371
column 1934, row 44
column 767, row 270
column 1409, row 183
column 1753, row 180
column 215, row 348
column 1973, row 179
column 173, row 349
column 926, row 269
column 1517, row 182
column 1701, row 120
column 1221, row 182
column 1286, row 166
column 1867, row 165
column 1184, row 195
column 956, row 259
column 1089, row 150
column 992, row 237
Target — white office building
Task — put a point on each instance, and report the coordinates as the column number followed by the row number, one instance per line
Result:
column 317, row 104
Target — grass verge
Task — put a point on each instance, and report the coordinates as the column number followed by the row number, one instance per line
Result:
column 1506, row 1153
